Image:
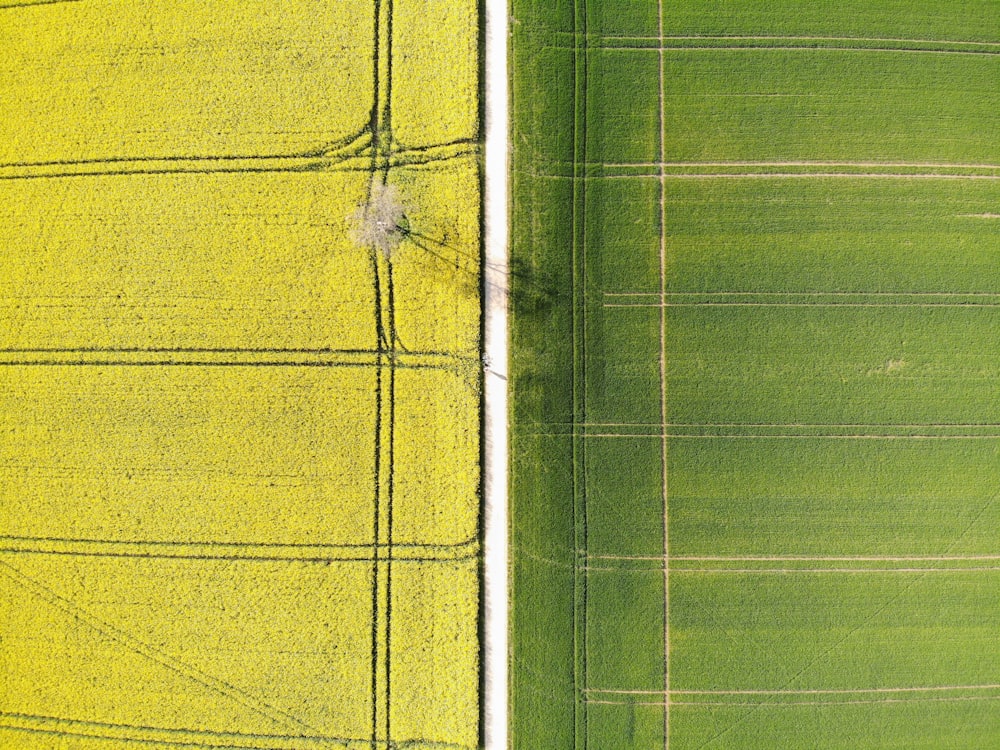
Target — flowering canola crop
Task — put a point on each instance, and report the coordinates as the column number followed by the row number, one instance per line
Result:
column 239, row 468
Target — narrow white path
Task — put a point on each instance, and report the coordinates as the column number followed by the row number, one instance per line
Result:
column 495, row 397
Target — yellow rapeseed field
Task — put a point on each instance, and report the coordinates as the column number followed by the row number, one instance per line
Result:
column 239, row 455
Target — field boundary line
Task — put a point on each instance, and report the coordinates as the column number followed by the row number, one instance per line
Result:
column 249, row 551
column 763, row 176
column 810, row 163
column 799, row 38
column 578, row 265
column 986, row 305
column 995, row 295
column 402, row 360
column 773, row 37
column 863, row 702
column 33, row 3
column 354, row 156
column 663, row 383
column 793, row 704
column 190, row 738
column 804, row 691
column 806, row 425
column 800, row 558
column 676, row 570
column 821, row 571
column 813, row 175
column 678, row 436
column 796, row 48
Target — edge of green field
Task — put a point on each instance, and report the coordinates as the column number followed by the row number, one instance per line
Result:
column 542, row 693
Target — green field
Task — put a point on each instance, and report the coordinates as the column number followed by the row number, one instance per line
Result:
column 756, row 375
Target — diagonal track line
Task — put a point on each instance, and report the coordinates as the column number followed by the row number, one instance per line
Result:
column 152, row 653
